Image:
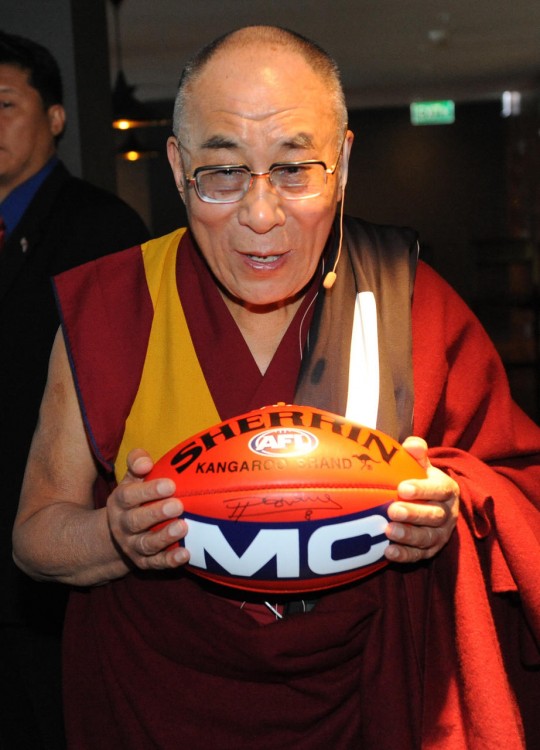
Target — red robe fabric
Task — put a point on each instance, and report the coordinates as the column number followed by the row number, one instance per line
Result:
column 433, row 656
column 463, row 401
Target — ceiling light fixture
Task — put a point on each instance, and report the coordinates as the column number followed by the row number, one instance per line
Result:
column 128, row 111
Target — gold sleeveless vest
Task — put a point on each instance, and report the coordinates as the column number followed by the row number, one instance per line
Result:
column 173, row 401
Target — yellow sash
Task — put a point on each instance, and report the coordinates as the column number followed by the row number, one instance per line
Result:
column 173, row 401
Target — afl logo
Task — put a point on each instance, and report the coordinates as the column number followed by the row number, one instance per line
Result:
column 283, row 442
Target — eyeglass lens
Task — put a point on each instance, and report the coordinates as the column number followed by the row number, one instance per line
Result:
column 290, row 180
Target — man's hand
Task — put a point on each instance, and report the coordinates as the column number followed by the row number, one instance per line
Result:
column 424, row 517
column 135, row 508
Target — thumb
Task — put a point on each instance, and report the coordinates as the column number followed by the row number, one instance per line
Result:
column 418, row 449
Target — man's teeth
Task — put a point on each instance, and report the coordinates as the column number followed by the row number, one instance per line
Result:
column 264, row 259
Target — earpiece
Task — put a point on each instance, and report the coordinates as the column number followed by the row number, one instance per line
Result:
column 331, row 276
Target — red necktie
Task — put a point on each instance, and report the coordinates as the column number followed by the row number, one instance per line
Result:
column 2, row 233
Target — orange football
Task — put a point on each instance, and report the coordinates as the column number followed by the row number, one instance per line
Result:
column 287, row 499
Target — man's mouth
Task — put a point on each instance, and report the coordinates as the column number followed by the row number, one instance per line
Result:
column 263, row 258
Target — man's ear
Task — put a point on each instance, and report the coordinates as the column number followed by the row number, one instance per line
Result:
column 344, row 169
column 177, row 165
column 57, row 119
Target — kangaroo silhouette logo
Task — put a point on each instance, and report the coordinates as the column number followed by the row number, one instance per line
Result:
column 365, row 461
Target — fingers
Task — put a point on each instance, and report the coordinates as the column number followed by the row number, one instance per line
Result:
column 131, row 494
column 139, row 464
column 424, row 517
column 418, row 449
column 418, row 536
column 157, row 547
column 144, row 517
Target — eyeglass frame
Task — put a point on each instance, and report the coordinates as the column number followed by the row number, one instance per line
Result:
column 192, row 180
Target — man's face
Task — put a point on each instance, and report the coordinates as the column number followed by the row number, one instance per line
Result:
column 258, row 107
column 27, row 130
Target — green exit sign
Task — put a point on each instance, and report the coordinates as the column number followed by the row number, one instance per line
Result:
column 433, row 113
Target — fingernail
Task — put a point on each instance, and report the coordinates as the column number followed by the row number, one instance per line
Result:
column 406, row 490
column 399, row 513
column 142, row 463
column 172, row 508
column 165, row 487
column 180, row 555
column 397, row 532
column 175, row 528
column 391, row 552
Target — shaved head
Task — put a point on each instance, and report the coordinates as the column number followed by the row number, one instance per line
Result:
column 270, row 38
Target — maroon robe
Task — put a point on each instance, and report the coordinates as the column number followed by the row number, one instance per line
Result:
column 424, row 656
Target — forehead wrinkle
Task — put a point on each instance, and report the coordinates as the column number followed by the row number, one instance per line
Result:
column 299, row 140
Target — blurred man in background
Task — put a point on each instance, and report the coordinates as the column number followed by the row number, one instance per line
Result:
column 49, row 221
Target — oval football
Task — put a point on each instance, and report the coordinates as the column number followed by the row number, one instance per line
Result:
column 286, row 499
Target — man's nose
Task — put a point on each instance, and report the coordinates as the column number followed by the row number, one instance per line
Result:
column 261, row 209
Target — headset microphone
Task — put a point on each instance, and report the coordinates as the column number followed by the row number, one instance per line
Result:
column 331, row 276
column 329, row 279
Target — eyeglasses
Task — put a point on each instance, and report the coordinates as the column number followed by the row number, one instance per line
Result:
column 295, row 180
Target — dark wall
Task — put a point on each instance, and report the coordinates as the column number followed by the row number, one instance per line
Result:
column 471, row 190
column 148, row 185
column 446, row 181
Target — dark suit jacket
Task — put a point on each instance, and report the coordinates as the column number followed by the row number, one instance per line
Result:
column 68, row 222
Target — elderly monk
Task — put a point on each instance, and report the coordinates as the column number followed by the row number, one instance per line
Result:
column 268, row 297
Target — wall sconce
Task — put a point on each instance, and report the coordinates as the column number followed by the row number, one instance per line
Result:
column 132, row 150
